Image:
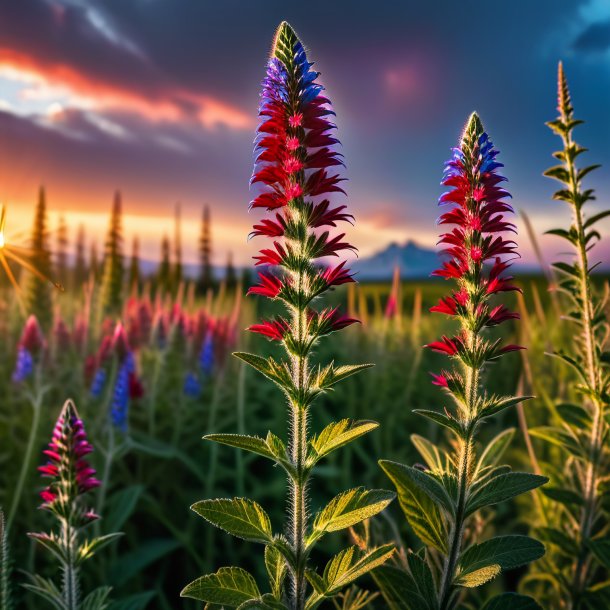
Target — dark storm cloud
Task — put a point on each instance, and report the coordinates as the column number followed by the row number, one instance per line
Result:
column 594, row 39
column 403, row 78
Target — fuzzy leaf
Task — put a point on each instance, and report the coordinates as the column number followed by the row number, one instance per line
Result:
column 429, row 452
column 349, row 508
column 276, row 569
column 345, row 567
column 337, row 434
column 228, row 586
column 504, row 487
column 503, row 552
column 479, row 577
column 428, row 484
column 399, row 590
column 266, row 602
column 240, row 517
column 420, row 510
column 495, row 449
column 89, row 547
column 331, row 374
column 269, row 368
column 499, row 404
column 511, row 601
column 442, row 419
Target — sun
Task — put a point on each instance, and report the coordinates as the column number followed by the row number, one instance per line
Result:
column 19, row 255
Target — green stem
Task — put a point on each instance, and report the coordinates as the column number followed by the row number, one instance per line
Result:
column 589, row 509
column 70, row 588
column 108, row 459
column 465, row 457
column 36, row 402
column 241, row 410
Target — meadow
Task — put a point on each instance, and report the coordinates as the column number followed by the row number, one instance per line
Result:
column 477, row 403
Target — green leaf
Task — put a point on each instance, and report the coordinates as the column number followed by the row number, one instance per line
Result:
column 345, row 567
column 278, row 373
column 479, row 577
column 335, row 435
column 503, row 552
column 511, row 601
column 272, row 447
column 495, row 449
column 503, row 487
column 330, row 375
column 427, row 483
column 96, row 599
column 591, row 221
column 563, row 496
column 429, row 452
column 499, row 404
column 564, row 543
column 399, row 590
column 266, row 602
column 139, row 601
column 442, row 419
column 276, row 569
column 420, row 510
column 228, row 586
column 601, row 549
column 120, row 507
column 240, row 517
column 46, row 589
column 573, row 415
column 89, row 547
column 422, row 576
column 560, row 438
column 347, row 509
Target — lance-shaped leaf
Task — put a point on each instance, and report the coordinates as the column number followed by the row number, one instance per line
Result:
column 431, row 454
column 399, row 589
column 229, row 587
column 425, row 481
column 442, row 419
column 271, row 447
column 240, row 517
column 511, row 601
column 421, row 512
column 347, row 509
column 503, row 552
column 330, row 375
column 343, row 569
column 278, row 373
column 335, row 435
column 276, row 569
column 495, row 405
column 97, row 599
column 495, row 449
column 89, row 547
column 503, row 487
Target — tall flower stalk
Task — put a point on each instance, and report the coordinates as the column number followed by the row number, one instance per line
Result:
column 580, row 538
column 443, row 499
column 295, row 150
column 71, row 478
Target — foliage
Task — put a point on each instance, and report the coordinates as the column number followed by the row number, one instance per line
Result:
column 111, row 298
column 443, row 498
column 294, row 150
column 578, row 531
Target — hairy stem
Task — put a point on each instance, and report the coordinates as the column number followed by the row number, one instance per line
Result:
column 592, row 371
column 70, row 585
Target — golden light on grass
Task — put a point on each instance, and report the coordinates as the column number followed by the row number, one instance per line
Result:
column 20, row 255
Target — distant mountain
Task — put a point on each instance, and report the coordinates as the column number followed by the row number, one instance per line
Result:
column 413, row 261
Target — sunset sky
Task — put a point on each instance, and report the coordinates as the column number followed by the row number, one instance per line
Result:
column 158, row 98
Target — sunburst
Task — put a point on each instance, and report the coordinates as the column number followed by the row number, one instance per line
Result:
column 20, row 255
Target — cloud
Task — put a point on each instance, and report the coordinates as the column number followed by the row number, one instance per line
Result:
column 594, row 39
column 76, row 54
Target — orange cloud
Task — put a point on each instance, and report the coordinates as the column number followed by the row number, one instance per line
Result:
column 168, row 104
